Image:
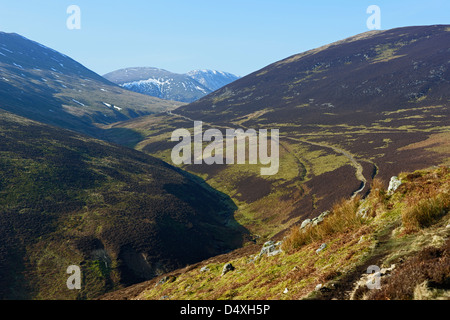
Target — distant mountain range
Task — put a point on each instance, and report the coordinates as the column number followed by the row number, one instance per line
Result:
column 167, row 85
column 212, row 79
column 42, row 84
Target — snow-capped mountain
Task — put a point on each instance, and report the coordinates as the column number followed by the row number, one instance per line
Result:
column 212, row 79
column 168, row 85
column 45, row 85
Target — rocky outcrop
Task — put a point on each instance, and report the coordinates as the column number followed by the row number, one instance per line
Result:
column 370, row 281
column 394, row 183
column 270, row 248
column 227, row 268
column 314, row 221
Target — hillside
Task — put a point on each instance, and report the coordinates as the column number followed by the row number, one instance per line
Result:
column 122, row 216
column 405, row 232
column 47, row 86
column 373, row 73
column 168, row 85
column 365, row 107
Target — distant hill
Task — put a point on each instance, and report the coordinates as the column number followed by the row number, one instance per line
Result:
column 168, row 85
column 122, row 216
column 40, row 83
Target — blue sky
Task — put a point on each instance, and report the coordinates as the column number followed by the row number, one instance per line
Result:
column 238, row 36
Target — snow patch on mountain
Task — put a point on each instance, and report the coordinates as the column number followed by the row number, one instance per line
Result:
column 212, row 79
column 163, row 84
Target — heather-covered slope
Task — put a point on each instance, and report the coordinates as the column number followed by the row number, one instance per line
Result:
column 353, row 81
column 121, row 215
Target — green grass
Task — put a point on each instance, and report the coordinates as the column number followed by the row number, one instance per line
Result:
column 426, row 211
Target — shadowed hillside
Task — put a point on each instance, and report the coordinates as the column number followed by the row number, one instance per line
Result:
column 121, row 215
column 44, row 85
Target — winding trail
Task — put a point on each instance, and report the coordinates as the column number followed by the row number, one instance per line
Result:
column 358, row 167
column 355, row 164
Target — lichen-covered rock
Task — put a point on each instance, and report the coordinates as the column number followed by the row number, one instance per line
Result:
column 394, row 183
column 305, row 223
column 322, row 247
column 204, row 269
column 271, row 248
column 227, row 268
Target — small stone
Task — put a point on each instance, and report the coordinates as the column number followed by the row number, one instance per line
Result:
column 204, row 269
column 274, row 253
column 227, row 268
column 163, row 280
column 166, row 279
column 316, row 221
column 318, row 287
column 322, row 247
column 363, row 212
column 394, row 183
column 271, row 248
column 385, row 271
column 324, row 214
column 305, row 223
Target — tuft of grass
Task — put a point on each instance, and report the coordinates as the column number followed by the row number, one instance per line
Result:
column 343, row 218
column 377, row 198
column 425, row 212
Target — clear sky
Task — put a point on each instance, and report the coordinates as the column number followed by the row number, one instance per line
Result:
column 237, row 36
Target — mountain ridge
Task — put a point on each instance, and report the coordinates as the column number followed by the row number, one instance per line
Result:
column 164, row 84
column 41, row 83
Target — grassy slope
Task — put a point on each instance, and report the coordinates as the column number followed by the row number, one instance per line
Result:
column 410, row 225
column 121, row 215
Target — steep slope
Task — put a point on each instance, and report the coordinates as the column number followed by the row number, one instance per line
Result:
column 121, row 215
column 42, row 84
column 212, row 79
column 373, row 73
column 404, row 233
column 168, row 85
column 367, row 106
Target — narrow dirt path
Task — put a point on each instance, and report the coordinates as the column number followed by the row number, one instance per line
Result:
column 359, row 169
